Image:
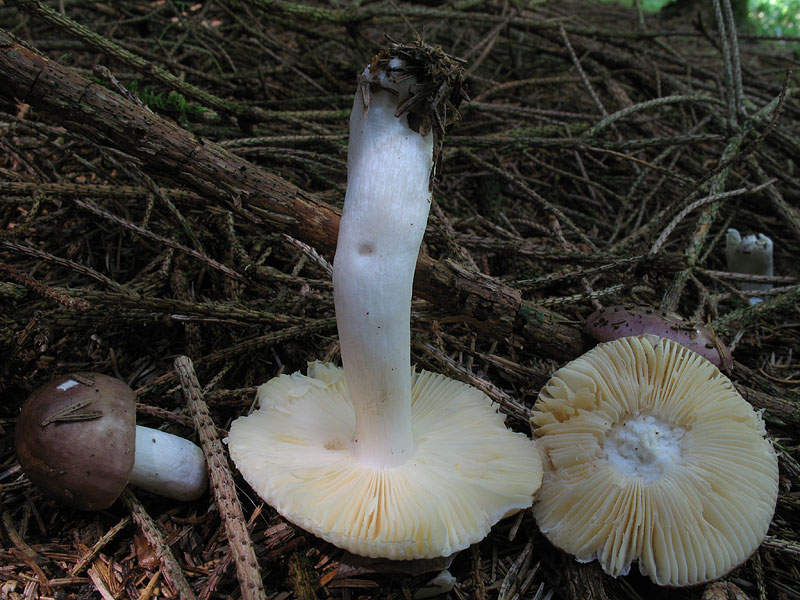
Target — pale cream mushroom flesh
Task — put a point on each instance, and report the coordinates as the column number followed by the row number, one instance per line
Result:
column 376, row 458
column 652, row 456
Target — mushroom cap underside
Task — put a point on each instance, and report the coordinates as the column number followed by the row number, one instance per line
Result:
column 467, row 471
column 651, row 455
column 75, row 439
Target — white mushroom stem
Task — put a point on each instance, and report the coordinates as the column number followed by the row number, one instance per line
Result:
column 385, row 212
column 168, row 465
column 750, row 254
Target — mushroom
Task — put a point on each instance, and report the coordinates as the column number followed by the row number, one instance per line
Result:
column 652, row 456
column 377, row 458
column 752, row 255
column 77, row 440
column 614, row 322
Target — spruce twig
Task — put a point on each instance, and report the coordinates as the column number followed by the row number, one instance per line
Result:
column 222, row 485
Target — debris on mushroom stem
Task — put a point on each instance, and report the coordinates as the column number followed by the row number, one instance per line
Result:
column 751, row 255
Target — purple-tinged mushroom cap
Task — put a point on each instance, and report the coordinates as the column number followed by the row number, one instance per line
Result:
column 76, row 437
column 77, row 440
column 614, row 322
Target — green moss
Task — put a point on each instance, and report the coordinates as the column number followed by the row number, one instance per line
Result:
column 172, row 103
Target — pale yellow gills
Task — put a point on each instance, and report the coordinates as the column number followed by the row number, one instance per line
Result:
column 652, row 456
column 467, row 470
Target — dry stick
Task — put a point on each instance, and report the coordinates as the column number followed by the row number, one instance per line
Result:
column 84, row 560
column 226, row 179
column 746, row 316
column 737, row 92
column 509, row 583
column 789, row 215
column 296, row 12
column 87, row 190
column 787, row 546
column 221, row 567
column 662, row 238
column 617, row 263
column 241, row 348
column 28, row 554
column 641, row 106
column 488, row 42
column 156, row 190
column 42, row 289
column 732, row 276
column 583, row 581
column 732, row 151
column 72, row 265
column 148, row 590
column 156, row 307
column 92, row 207
column 511, row 405
column 727, row 52
column 584, row 78
column 173, row 574
column 101, row 44
column 227, row 501
column 705, row 219
column 732, row 154
column 540, row 200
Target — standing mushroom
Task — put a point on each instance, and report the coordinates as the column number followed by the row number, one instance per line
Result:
column 77, row 440
column 376, row 458
column 652, row 456
column 752, row 255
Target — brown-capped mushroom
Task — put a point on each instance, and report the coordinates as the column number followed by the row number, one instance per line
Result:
column 77, row 440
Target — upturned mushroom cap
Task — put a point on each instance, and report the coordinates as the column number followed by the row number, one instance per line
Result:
column 614, row 322
column 651, row 455
column 75, row 439
column 467, row 471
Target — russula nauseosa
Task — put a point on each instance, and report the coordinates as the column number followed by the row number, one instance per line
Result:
column 752, row 255
column 376, row 458
column 652, row 456
column 623, row 320
column 77, row 440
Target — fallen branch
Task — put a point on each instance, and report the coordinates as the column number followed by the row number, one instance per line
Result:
column 261, row 197
column 222, row 485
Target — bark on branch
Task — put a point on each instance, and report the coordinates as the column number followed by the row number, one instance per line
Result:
column 222, row 177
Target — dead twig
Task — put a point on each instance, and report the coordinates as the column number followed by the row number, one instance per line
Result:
column 222, row 485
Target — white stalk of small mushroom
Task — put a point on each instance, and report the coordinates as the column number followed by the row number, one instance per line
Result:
column 751, row 255
column 383, row 221
column 168, row 465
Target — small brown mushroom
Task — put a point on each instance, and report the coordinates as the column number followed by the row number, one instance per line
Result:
column 77, row 440
column 614, row 322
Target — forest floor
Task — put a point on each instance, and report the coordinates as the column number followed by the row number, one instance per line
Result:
column 600, row 159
